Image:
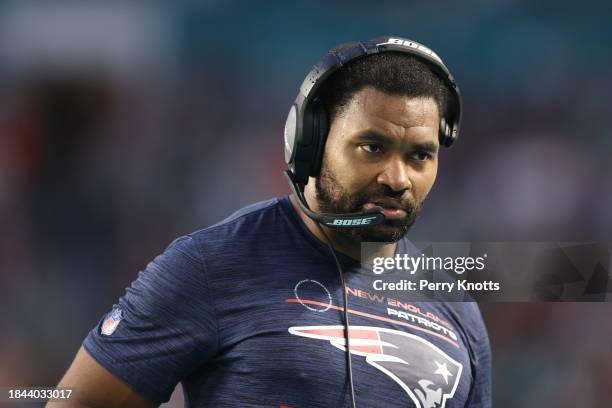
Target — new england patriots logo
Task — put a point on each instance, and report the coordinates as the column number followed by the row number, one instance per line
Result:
column 428, row 375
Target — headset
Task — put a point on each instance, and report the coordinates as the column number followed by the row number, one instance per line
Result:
column 306, row 131
column 307, row 123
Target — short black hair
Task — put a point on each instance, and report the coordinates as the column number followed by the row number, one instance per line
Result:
column 394, row 73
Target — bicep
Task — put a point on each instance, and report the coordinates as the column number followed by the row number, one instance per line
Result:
column 94, row 386
column 159, row 332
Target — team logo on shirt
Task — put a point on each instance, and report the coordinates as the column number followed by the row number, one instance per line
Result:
column 428, row 375
column 111, row 322
column 312, row 287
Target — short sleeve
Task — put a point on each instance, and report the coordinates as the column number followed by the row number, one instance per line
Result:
column 480, row 393
column 164, row 326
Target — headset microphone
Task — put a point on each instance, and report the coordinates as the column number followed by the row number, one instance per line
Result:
column 372, row 216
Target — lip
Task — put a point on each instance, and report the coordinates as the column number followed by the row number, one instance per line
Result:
column 391, row 210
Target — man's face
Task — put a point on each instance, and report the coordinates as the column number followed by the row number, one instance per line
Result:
column 382, row 150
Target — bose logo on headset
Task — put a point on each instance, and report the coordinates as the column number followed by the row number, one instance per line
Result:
column 350, row 223
column 413, row 45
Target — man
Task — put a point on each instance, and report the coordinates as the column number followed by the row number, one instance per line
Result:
column 251, row 312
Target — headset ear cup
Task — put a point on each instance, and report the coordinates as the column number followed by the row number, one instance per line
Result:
column 442, row 131
column 321, row 123
column 445, row 133
column 290, row 134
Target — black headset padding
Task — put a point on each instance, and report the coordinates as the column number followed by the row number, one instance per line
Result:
column 307, row 122
column 322, row 130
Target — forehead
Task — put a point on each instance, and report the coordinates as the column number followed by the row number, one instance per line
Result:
column 394, row 114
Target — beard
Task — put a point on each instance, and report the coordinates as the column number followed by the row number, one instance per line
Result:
column 333, row 198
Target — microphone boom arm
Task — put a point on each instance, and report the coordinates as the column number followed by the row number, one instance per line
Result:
column 373, row 216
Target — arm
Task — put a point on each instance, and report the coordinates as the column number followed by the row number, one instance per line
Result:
column 94, row 386
column 165, row 329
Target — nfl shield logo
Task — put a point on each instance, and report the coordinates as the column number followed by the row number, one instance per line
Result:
column 111, row 322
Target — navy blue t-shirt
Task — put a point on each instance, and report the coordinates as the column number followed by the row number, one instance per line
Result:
column 248, row 313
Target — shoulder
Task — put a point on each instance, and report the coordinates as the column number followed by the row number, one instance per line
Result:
column 258, row 221
column 252, row 210
column 243, row 219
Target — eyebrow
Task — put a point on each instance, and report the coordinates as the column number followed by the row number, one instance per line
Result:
column 373, row 136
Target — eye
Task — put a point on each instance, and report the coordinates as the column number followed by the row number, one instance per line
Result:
column 422, row 156
column 372, row 148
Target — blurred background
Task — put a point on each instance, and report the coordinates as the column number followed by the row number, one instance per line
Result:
column 124, row 125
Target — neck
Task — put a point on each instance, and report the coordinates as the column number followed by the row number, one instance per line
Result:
column 341, row 243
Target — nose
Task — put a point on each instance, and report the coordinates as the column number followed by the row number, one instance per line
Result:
column 395, row 175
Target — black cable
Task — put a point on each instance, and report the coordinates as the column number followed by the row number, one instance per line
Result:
column 346, row 318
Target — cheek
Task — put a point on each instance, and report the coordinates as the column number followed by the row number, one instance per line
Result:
column 359, row 176
column 351, row 176
column 354, row 178
column 424, row 182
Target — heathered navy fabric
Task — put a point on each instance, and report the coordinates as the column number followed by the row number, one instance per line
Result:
column 248, row 313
